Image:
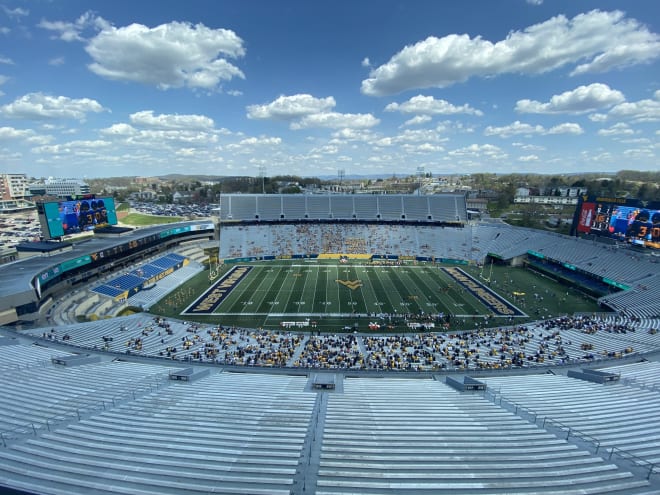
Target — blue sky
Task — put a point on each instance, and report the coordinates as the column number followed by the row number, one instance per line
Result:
column 370, row 87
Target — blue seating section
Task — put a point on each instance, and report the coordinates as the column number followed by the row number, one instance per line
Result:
column 168, row 261
column 132, row 281
column 107, row 290
column 149, row 271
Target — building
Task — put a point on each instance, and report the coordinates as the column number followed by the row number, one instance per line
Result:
column 14, row 191
column 14, row 186
column 546, row 200
column 60, row 188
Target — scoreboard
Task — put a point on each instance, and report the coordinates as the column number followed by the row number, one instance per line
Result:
column 623, row 219
column 74, row 216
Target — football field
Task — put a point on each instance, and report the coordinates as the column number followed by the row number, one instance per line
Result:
column 336, row 295
column 297, row 290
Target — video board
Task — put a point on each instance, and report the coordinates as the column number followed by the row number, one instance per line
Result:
column 627, row 220
column 73, row 216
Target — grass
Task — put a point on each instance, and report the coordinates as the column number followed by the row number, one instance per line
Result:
column 278, row 291
column 141, row 220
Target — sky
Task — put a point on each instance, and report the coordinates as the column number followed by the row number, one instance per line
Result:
column 324, row 88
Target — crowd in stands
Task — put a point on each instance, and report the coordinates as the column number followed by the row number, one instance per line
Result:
column 556, row 341
column 285, row 239
column 589, row 324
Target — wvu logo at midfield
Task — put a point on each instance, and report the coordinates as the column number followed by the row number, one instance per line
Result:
column 351, row 284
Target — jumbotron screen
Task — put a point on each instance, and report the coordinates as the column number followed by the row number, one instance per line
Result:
column 75, row 216
column 627, row 220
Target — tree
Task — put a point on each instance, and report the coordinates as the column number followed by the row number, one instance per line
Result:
column 648, row 192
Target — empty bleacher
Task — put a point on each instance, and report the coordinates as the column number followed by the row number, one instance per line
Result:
column 228, row 433
column 49, row 394
column 17, row 356
column 420, row 436
column 395, row 207
column 616, row 415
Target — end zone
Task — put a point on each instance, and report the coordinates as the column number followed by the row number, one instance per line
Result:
column 209, row 301
column 492, row 300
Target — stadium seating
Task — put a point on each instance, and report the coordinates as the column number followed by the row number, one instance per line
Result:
column 615, row 415
column 556, row 342
column 396, row 207
column 16, row 356
column 134, row 280
column 122, row 427
column 228, row 433
column 419, row 436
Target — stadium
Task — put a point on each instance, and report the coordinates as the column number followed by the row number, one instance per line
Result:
column 332, row 344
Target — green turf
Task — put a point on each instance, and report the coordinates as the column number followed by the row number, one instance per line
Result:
column 141, row 220
column 292, row 291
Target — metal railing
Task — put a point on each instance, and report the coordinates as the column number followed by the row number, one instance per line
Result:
column 497, row 398
column 638, row 461
column 33, row 428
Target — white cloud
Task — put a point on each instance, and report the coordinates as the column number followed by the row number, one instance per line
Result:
column 6, row 60
column 248, row 145
column 639, row 153
column 72, row 147
column 417, row 120
column 28, row 135
column 534, row 2
column 348, row 135
column 56, row 61
column 120, row 130
column 645, row 141
column 147, row 118
column 366, row 62
column 528, row 147
column 422, row 148
column 163, row 139
column 261, row 141
column 291, row 107
column 305, row 111
column 336, row 120
column 172, row 55
column 427, row 105
column 598, row 117
column 478, row 151
column 16, row 13
column 328, row 149
column 582, row 99
column 513, row 129
column 418, row 136
column 72, row 31
column 528, row 158
column 638, row 111
column 605, row 40
column 39, row 106
column 620, row 129
column 566, row 128
column 521, row 128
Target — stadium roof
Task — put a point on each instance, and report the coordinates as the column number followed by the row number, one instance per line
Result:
column 16, row 277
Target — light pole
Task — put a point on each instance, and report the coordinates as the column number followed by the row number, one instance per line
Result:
column 420, row 175
column 262, row 174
